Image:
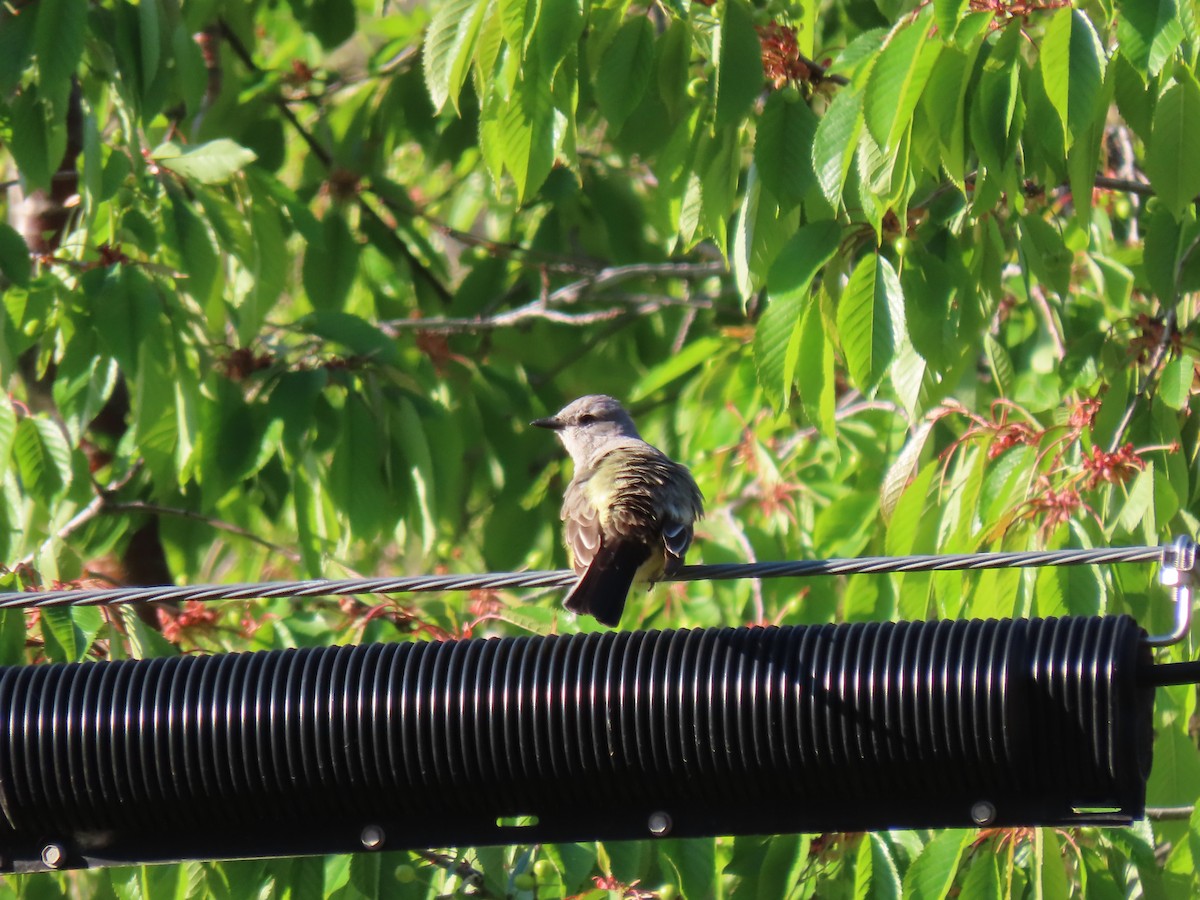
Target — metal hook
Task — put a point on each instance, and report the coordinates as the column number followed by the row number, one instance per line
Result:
column 1179, row 562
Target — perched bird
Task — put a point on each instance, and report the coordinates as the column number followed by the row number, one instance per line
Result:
column 628, row 511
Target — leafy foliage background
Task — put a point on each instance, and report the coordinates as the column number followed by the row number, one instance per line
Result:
column 891, row 277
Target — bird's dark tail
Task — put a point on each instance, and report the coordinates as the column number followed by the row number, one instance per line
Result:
column 602, row 589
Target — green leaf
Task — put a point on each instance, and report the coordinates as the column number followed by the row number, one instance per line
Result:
column 449, row 46
column 212, row 163
column 189, row 62
column 835, row 141
column 946, row 15
column 58, row 43
column 329, row 268
column 43, row 458
column 519, row 133
column 1086, row 100
column 1000, row 364
column 268, row 265
column 38, row 139
column 943, row 102
column 414, row 444
column 1148, row 32
column 66, row 639
column 761, row 230
column 1138, row 508
column 781, row 866
column 1046, row 253
column 1165, row 238
column 810, row 353
column 126, row 314
column 738, row 53
column 1054, row 63
column 931, row 875
column 8, row 433
column 674, row 57
column 1139, row 844
column 625, row 69
column 17, row 41
column 1175, row 385
column 356, row 481
column 1049, row 873
column 788, row 283
column 332, row 21
column 695, row 863
column 1175, row 773
column 559, row 27
column 14, row 256
column 897, row 80
column 904, row 498
column 229, row 442
column 994, row 103
column 783, row 147
column 875, row 873
column 517, row 18
column 870, row 319
column 695, row 354
column 982, row 881
column 1174, row 138
column 357, row 335
column 1071, row 63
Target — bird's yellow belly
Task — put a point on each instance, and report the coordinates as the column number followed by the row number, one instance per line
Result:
column 651, row 570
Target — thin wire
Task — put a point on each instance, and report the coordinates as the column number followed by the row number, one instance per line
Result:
column 343, row 587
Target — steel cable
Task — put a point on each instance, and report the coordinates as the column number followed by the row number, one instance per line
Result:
column 342, row 587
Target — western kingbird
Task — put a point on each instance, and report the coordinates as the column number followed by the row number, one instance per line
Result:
column 629, row 510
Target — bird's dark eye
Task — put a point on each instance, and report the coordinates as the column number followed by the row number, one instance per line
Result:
column 586, row 419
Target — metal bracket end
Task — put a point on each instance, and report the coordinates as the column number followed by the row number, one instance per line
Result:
column 1178, row 567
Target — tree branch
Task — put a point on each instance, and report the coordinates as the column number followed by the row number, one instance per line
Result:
column 94, row 508
column 1161, row 349
column 155, row 509
column 546, row 308
column 820, row 73
column 327, row 160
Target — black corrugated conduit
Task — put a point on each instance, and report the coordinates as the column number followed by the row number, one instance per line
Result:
column 596, row 736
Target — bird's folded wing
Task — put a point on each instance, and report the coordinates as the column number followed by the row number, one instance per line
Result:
column 582, row 529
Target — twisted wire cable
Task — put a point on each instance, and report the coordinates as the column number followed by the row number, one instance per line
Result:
column 343, row 587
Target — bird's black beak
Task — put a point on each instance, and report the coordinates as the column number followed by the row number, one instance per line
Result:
column 552, row 422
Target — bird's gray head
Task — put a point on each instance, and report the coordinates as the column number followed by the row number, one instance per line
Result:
column 590, row 424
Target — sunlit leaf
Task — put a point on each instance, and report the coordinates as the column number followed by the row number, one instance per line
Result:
column 1175, row 136
column 211, row 163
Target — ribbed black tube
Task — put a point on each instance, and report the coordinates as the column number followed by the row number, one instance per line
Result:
column 749, row 730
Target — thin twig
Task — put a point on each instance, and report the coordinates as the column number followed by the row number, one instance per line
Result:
column 155, row 509
column 1169, row 813
column 820, row 73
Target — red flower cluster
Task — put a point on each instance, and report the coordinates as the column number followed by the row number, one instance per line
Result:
column 1150, row 336
column 1083, row 413
column 194, row 616
column 781, row 55
column 1010, row 435
column 1111, row 467
column 1056, row 506
column 1007, row 10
